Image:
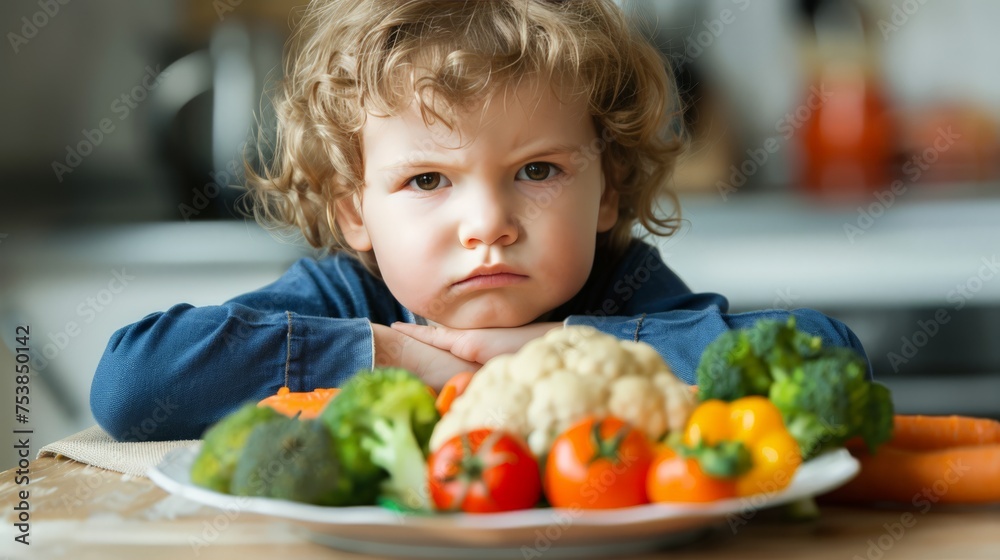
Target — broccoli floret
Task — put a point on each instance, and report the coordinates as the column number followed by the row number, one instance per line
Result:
column 291, row 459
column 382, row 422
column 742, row 362
column 879, row 417
column 729, row 369
column 822, row 392
column 224, row 442
column 782, row 346
column 827, row 400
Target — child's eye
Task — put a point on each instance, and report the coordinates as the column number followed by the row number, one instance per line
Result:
column 427, row 181
column 538, row 171
column 535, row 171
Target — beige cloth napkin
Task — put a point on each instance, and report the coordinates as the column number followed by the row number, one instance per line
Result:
column 94, row 446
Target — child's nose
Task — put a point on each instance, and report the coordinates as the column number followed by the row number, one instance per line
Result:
column 488, row 218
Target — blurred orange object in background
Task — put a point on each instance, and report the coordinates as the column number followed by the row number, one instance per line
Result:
column 306, row 405
column 848, row 140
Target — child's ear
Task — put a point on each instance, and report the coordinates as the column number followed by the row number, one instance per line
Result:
column 607, row 214
column 352, row 224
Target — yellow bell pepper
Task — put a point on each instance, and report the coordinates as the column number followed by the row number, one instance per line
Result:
column 745, row 440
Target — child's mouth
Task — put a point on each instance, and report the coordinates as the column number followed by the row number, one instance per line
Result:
column 491, row 280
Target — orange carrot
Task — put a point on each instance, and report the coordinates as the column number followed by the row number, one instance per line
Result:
column 308, row 404
column 451, row 391
column 922, row 433
column 968, row 474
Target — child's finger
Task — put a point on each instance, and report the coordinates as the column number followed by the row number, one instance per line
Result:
column 435, row 336
column 436, row 366
column 468, row 346
column 419, row 332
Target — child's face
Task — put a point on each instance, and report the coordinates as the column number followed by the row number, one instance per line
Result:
column 518, row 188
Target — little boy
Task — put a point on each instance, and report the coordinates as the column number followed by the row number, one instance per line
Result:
column 476, row 170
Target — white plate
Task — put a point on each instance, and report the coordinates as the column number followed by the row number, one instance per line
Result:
column 522, row 534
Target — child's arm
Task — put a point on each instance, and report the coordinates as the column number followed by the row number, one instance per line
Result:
column 648, row 303
column 476, row 345
column 434, row 365
column 173, row 373
column 659, row 309
column 681, row 335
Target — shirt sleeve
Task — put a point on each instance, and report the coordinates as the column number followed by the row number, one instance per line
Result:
column 647, row 302
column 173, row 373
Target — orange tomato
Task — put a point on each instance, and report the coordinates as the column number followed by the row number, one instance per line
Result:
column 598, row 464
column 673, row 478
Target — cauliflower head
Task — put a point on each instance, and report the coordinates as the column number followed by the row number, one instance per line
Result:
column 558, row 379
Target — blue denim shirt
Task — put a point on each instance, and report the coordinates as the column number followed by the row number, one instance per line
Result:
column 175, row 372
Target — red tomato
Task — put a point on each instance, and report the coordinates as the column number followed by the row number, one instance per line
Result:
column 484, row 471
column 673, row 478
column 598, row 464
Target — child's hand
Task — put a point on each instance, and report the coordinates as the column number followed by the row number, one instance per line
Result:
column 476, row 345
column 435, row 366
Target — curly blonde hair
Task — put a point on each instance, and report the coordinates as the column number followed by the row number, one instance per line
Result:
column 352, row 57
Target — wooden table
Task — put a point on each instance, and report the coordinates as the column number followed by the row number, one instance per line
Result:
column 84, row 512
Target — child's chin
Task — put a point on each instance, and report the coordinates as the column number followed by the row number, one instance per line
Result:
column 484, row 320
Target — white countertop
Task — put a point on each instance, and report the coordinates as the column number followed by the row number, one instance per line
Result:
column 758, row 250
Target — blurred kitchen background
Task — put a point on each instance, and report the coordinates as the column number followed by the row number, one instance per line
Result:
column 845, row 156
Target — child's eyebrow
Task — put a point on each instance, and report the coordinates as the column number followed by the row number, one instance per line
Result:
column 545, row 151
